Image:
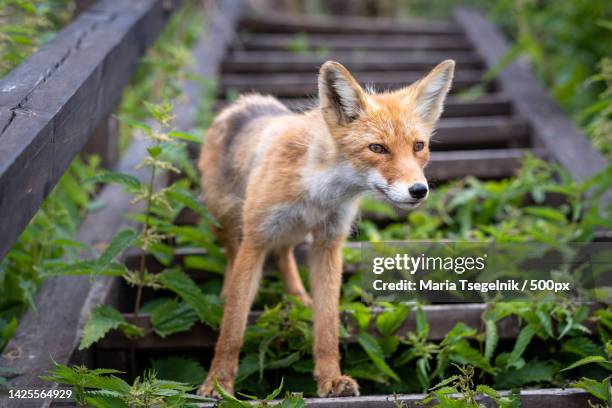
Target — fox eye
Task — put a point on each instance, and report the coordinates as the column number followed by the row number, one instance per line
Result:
column 418, row 146
column 378, row 148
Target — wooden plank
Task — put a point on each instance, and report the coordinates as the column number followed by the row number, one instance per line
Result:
column 286, row 61
column 484, row 164
column 441, row 319
column 479, row 132
column 354, row 42
column 485, row 105
column 287, row 23
column 55, row 99
column 302, row 84
column 534, row 398
column 553, row 127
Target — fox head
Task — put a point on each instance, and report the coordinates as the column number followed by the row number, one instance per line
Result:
column 385, row 136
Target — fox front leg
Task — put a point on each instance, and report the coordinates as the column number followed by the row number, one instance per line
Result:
column 241, row 289
column 325, row 280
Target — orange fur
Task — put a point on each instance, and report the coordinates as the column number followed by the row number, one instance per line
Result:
column 271, row 177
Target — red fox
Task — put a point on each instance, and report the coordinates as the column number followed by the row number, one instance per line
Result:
column 271, row 177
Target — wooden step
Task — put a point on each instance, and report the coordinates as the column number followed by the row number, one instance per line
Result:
column 485, row 105
column 303, row 84
column 287, row 23
column 355, row 42
column 441, row 319
column 531, row 398
column 483, row 164
column 287, row 61
column 453, row 133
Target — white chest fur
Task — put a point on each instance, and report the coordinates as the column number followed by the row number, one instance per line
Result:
column 328, row 206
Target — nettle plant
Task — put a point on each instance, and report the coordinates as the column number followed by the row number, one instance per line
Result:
column 389, row 360
column 166, row 154
column 102, row 388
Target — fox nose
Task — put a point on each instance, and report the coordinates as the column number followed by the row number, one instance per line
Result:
column 418, row 190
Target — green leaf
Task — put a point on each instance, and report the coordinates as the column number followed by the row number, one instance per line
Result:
column 294, row 400
column 181, row 369
column 119, row 178
column 276, row 392
column 249, row 364
column 464, row 354
column 185, row 136
column 522, row 341
column 390, row 321
column 208, row 307
column 421, row 322
column 172, row 317
column 582, row 347
column 486, row 390
column 491, row 338
column 423, row 372
column 104, row 319
column 284, row 362
column 373, row 351
column 599, row 389
column 120, row 242
column 205, row 263
column 98, row 399
column 445, row 382
column 546, row 322
column 154, row 151
column 263, row 350
column 228, row 400
column 546, row 212
column 587, row 360
column 360, row 312
column 532, row 372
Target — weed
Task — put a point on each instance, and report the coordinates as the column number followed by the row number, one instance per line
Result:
column 102, row 388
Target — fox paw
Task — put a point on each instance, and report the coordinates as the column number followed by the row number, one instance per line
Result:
column 342, row 386
column 207, row 389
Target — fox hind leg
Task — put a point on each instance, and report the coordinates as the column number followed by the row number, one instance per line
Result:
column 285, row 262
column 230, row 240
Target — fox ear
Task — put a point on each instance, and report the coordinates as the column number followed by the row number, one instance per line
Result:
column 431, row 91
column 340, row 96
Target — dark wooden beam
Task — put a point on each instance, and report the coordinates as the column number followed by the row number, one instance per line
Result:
column 303, row 84
column 483, row 164
column 441, row 319
column 479, row 132
column 355, row 42
column 534, row 398
column 287, row 23
column 50, row 104
column 286, row 61
column 485, row 105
